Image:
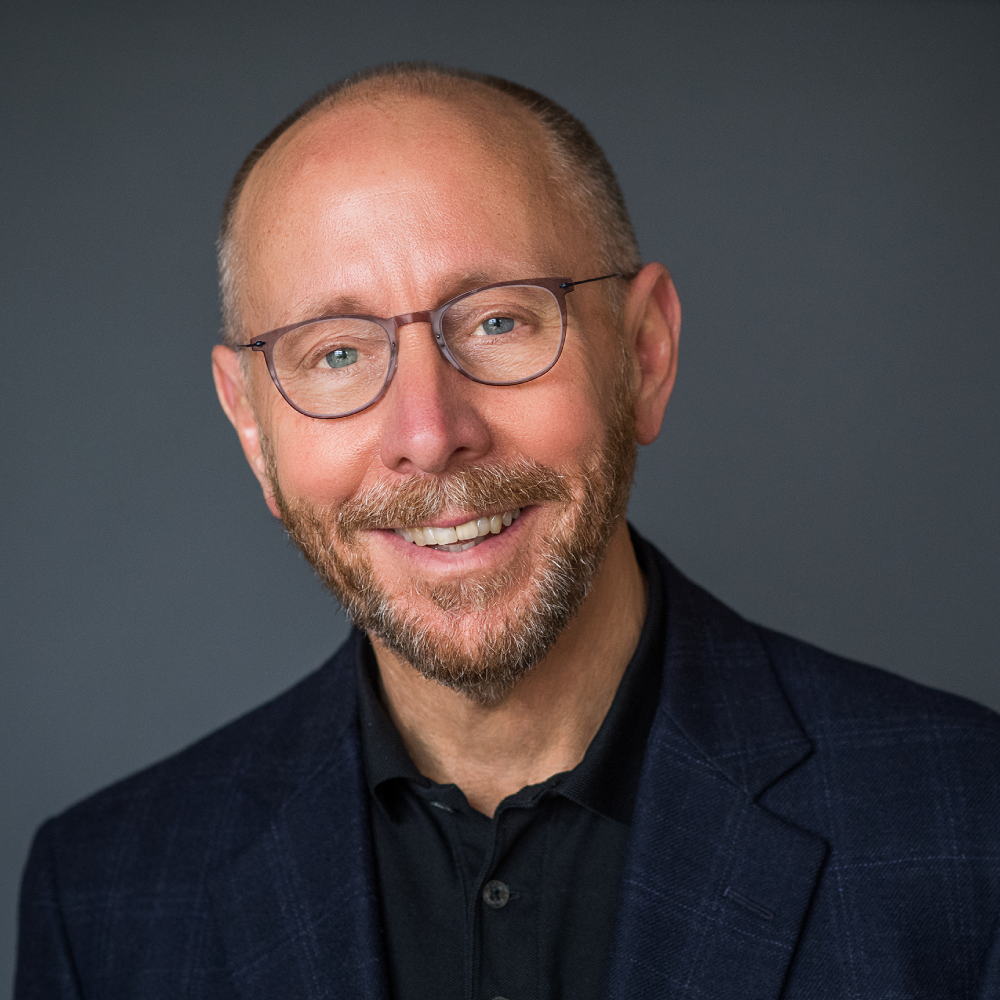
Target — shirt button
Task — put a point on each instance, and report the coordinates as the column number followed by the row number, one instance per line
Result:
column 495, row 894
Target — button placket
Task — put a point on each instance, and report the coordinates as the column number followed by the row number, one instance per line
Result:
column 501, row 934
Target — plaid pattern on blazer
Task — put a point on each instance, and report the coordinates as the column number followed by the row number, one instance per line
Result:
column 806, row 827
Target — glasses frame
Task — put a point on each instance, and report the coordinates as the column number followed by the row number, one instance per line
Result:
column 559, row 287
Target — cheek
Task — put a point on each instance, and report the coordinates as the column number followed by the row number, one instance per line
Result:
column 321, row 461
column 556, row 420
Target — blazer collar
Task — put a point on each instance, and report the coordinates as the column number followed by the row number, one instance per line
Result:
column 721, row 691
column 715, row 886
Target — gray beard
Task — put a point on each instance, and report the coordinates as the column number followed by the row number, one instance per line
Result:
column 486, row 649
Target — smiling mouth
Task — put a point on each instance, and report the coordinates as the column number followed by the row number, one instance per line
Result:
column 462, row 536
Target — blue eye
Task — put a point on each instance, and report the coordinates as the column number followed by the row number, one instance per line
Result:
column 342, row 357
column 498, row 324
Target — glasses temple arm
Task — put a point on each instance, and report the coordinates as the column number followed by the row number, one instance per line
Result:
column 570, row 285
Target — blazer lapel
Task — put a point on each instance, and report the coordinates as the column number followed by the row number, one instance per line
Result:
column 716, row 887
column 297, row 908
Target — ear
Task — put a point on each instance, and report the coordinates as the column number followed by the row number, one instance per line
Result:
column 653, row 324
column 230, row 384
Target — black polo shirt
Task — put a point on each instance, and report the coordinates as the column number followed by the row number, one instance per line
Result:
column 521, row 905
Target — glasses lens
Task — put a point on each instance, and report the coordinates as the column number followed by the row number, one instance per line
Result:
column 333, row 366
column 504, row 334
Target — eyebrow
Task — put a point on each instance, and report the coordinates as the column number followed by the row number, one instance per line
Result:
column 338, row 305
column 350, row 305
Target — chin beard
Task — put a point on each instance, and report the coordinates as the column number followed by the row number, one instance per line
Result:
column 496, row 627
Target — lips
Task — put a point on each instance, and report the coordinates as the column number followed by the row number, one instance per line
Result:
column 462, row 536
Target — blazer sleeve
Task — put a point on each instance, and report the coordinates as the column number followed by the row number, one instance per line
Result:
column 45, row 966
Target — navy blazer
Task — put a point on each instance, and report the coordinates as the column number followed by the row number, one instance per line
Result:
column 806, row 827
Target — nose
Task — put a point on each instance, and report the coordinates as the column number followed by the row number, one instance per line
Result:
column 430, row 420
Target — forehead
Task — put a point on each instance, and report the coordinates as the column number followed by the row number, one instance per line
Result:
column 395, row 190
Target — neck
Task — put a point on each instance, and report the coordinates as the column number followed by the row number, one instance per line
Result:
column 547, row 721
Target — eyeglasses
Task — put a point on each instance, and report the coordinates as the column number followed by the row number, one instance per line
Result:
column 503, row 334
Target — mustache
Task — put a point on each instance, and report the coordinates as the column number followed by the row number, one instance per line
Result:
column 479, row 489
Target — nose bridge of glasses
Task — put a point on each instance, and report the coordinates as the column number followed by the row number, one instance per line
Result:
column 424, row 316
column 406, row 319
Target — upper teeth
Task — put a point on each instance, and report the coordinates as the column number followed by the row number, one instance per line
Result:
column 476, row 528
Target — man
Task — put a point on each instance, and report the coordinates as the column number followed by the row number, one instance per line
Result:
column 545, row 764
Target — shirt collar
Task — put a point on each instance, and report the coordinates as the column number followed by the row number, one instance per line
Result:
column 606, row 781
column 385, row 754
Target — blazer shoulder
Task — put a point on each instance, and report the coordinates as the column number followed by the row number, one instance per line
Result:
column 259, row 757
column 132, row 885
column 830, row 690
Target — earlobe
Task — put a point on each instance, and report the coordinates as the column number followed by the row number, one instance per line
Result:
column 653, row 322
column 230, row 385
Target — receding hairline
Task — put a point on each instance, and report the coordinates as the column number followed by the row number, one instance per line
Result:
column 470, row 99
column 573, row 159
column 381, row 92
column 478, row 115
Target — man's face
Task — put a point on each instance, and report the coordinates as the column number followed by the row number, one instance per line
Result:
column 393, row 209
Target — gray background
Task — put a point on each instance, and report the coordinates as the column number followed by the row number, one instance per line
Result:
column 821, row 177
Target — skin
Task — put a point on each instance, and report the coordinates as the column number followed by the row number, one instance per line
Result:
column 400, row 206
